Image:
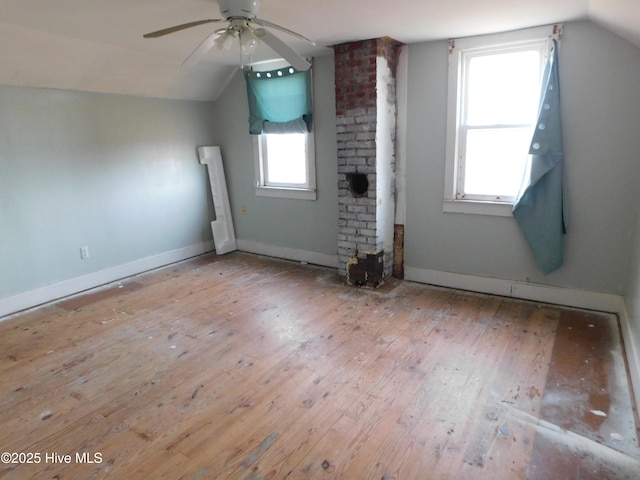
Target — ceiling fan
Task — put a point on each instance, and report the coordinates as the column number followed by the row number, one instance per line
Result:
column 245, row 26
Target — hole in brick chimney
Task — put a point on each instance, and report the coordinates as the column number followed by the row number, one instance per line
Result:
column 358, row 184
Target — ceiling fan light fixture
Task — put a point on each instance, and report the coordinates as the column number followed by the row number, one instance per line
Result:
column 224, row 41
column 248, row 41
column 243, row 19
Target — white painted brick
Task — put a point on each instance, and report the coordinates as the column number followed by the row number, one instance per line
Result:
column 357, row 161
column 347, row 200
column 365, row 144
column 366, row 136
column 367, row 119
column 348, row 168
column 365, row 217
column 366, row 232
column 363, row 128
column 368, row 169
column 358, row 224
column 366, row 152
column 346, row 153
column 357, row 209
column 357, row 112
column 344, row 120
column 341, row 137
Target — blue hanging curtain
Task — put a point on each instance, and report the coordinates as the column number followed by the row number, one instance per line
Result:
column 540, row 208
column 279, row 101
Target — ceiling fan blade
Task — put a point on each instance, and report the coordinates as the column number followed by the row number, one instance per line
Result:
column 265, row 23
column 177, row 28
column 298, row 62
column 202, row 49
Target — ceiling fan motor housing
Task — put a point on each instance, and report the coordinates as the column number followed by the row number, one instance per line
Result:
column 238, row 8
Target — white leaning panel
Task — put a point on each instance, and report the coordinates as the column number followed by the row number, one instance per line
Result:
column 224, row 236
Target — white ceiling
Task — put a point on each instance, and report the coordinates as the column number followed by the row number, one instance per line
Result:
column 97, row 45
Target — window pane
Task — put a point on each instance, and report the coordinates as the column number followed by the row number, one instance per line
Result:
column 495, row 161
column 286, row 159
column 503, row 89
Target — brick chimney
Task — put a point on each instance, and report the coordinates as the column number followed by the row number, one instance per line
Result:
column 366, row 127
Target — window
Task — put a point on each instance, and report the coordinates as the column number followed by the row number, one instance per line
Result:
column 285, row 165
column 280, row 116
column 494, row 91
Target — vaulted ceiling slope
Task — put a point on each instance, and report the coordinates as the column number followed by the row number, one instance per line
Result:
column 93, row 45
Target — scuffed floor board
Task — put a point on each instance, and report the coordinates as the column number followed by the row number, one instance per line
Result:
column 246, row 367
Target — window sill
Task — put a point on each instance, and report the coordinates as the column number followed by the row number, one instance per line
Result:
column 281, row 192
column 478, row 208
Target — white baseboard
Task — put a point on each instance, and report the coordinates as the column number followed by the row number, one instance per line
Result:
column 632, row 350
column 288, row 253
column 568, row 297
column 48, row 293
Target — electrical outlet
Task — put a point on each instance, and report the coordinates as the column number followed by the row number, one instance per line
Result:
column 244, row 210
column 84, row 252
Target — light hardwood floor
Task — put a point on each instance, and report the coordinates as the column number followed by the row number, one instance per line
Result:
column 243, row 367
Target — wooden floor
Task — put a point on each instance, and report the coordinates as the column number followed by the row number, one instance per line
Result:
column 241, row 367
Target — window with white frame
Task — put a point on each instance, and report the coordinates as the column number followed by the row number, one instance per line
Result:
column 285, row 165
column 494, row 91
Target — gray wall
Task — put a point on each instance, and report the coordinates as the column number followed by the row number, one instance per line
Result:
column 632, row 297
column 601, row 113
column 118, row 174
column 298, row 224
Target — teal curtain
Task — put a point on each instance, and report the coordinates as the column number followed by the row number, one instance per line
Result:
column 279, row 101
column 540, row 208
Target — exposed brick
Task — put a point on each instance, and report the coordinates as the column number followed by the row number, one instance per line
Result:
column 356, row 67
